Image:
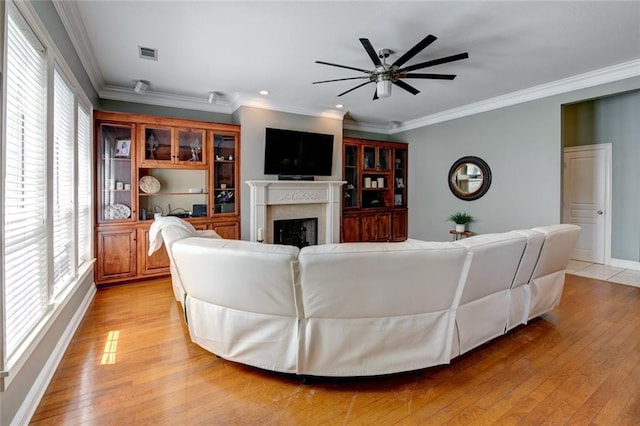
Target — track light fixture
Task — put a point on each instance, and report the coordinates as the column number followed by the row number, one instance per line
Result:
column 141, row 86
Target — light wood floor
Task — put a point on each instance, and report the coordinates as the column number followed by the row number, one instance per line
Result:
column 577, row 365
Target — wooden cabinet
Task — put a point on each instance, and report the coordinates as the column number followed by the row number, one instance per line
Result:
column 190, row 169
column 399, row 222
column 117, row 249
column 376, row 227
column 351, row 228
column 374, row 204
column 157, row 263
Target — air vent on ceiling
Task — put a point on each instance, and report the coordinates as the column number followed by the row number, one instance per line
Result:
column 148, row 53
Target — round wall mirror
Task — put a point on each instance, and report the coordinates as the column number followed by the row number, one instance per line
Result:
column 469, row 178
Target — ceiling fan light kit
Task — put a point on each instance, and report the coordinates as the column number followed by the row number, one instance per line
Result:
column 384, row 75
column 383, row 88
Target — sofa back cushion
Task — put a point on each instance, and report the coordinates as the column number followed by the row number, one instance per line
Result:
column 535, row 240
column 240, row 275
column 559, row 244
column 494, row 264
column 368, row 280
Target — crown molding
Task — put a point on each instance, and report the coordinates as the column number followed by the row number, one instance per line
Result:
column 380, row 128
column 127, row 94
column 241, row 99
column 582, row 81
column 72, row 22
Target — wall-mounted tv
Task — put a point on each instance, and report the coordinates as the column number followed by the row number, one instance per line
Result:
column 290, row 153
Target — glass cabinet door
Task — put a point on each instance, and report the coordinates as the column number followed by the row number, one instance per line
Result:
column 384, row 158
column 400, row 177
column 369, row 155
column 375, row 158
column 350, row 188
column 157, row 146
column 191, row 147
column 116, row 173
column 224, row 173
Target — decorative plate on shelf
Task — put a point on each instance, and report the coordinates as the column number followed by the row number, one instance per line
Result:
column 149, row 184
column 117, row 211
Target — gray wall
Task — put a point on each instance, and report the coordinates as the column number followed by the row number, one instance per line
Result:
column 523, row 147
column 617, row 120
column 254, row 121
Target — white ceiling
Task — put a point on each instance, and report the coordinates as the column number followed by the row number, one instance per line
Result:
column 237, row 48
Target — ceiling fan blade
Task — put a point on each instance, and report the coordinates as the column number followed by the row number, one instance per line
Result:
column 343, row 66
column 340, row 79
column 406, row 87
column 354, row 88
column 430, row 76
column 375, row 94
column 445, row 60
column 371, row 51
column 415, row 50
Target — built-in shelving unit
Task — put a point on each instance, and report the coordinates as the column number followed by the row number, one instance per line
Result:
column 375, row 193
column 194, row 167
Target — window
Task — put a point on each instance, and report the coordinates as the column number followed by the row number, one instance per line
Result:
column 46, row 193
column 25, row 185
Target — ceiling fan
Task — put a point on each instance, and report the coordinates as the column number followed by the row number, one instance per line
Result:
column 384, row 75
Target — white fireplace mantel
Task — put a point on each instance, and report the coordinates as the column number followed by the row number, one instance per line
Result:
column 287, row 192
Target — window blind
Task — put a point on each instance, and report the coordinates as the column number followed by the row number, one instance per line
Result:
column 84, row 185
column 25, row 236
column 63, row 187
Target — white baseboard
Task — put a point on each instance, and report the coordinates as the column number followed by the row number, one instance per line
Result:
column 627, row 264
column 31, row 402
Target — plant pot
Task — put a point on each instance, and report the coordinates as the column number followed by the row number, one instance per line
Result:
column 460, row 227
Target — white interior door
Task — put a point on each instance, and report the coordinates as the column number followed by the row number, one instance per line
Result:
column 586, row 199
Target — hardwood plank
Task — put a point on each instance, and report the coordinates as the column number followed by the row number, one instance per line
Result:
column 579, row 364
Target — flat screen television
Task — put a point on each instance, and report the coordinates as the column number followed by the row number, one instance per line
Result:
column 290, row 153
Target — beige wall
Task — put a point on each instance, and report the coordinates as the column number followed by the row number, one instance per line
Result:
column 253, row 122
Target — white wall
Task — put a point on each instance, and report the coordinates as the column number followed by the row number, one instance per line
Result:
column 253, row 122
column 521, row 144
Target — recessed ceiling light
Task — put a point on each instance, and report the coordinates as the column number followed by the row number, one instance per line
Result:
column 339, row 106
column 264, row 92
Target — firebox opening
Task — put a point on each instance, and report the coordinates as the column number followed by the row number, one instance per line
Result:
column 296, row 232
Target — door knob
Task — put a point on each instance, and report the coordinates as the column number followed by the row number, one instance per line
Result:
column 600, row 212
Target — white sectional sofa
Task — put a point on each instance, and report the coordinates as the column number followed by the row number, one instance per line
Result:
column 360, row 309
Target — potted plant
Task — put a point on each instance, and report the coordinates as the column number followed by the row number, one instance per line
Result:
column 461, row 219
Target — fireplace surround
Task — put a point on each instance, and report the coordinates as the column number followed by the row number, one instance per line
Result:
column 274, row 200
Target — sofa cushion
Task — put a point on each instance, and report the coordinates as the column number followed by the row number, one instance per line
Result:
column 484, row 306
column 520, row 294
column 356, row 280
column 378, row 308
column 237, row 274
column 547, row 281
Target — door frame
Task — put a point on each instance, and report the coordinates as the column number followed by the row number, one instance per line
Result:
column 608, row 149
